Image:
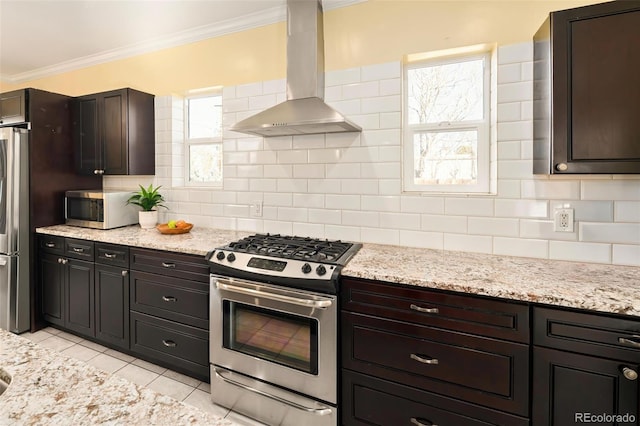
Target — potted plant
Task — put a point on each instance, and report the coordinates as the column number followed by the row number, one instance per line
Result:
column 148, row 199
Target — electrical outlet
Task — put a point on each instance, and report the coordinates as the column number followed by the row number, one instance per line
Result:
column 256, row 208
column 563, row 219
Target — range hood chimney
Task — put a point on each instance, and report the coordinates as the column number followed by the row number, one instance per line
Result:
column 304, row 112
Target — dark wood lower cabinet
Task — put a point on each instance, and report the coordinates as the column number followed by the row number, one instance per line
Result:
column 568, row 387
column 112, row 305
column 80, row 296
column 51, row 283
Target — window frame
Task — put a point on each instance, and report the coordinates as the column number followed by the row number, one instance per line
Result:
column 189, row 142
column 483, row 128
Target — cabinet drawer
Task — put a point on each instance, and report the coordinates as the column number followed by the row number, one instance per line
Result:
column 111, row 254
column 170, row 298
column 177, row 346
column 592, row 334
column 492, row 318
column 185, row 266
column 78, row 249
column 485, row 371
column 51, row 243
column 371, row 401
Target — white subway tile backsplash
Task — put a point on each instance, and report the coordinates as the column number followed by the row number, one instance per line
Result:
column 429, row 240
column 493, row 226
column 622, row 190
column 623, row 233
column 580, row 252
column 472, row 243
column 626, row 254
column 349, row 186
column 521, row 247
column 627, row 211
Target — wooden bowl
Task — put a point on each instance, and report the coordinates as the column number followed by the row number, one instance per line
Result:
column 164, row 229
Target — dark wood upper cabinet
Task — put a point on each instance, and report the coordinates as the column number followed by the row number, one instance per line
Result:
column 115, row 133
column 587, row 91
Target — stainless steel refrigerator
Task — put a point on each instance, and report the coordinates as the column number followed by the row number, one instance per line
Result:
column 14, row 229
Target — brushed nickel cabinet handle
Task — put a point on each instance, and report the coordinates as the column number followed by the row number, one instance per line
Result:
column 169, row 298
column 421, row 422
column 78, row 249
column 425, row 310
column 125, row 273
column 632, row 341
column 424, row 360
column 168, row 265
column 109, row 255
column 169, row 343
column 50, row 245
column 629, row 373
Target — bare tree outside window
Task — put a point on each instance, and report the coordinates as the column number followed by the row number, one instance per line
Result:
column 204, row 140
column 445, row 115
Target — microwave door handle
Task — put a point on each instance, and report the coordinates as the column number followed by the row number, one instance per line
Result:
column 309, row 303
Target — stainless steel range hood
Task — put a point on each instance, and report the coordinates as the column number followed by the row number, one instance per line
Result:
column 304, row 112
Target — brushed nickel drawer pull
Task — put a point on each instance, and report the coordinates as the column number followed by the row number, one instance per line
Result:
column 633, row 341
column 78, row 249
column 423, row 360
column 425, row 310
column 50, row 245
column 169, row 298
column 168, row 265
column 421, row 422
column 169, row 343
column 63, row 261
column 110, row 256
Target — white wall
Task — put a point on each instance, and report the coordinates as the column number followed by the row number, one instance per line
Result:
column 348, row 186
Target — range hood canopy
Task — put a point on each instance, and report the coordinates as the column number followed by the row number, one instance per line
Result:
column 304, row 112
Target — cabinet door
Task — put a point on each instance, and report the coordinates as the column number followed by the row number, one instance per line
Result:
column 88, row 155
column 112, row 305
column 13, row 107
column 113, row 125
column 79, row 300
column 51, row 280
column 596, row 55
column 568, row 387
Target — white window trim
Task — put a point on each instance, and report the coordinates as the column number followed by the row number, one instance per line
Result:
column 483, row 185
column 198, row 141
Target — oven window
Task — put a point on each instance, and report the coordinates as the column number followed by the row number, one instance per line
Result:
column 275, row 336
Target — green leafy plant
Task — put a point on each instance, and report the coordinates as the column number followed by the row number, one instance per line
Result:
column 147, row 198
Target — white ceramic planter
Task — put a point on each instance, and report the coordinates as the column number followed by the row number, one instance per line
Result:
column 148, row 219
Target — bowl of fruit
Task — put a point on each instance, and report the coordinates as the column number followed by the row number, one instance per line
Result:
column 174, row 227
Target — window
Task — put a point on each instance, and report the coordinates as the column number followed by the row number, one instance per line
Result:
column 203, row 140
column 446, row 121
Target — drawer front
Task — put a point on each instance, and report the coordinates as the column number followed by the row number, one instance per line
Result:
column 178, row 346
column 491, row 318
column 79, row 249
column 111, row 254
column 170, row 298
column 184, row 266
column 481, row 370
column 371, row 401
column 592, row 334
column 51, row 244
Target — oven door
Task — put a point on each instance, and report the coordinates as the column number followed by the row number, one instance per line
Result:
column 283, row 336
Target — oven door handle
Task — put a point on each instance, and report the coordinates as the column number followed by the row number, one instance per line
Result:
column 323, row 411
column 309, row 303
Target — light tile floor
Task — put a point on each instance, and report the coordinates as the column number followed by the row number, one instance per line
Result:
column 183, row 388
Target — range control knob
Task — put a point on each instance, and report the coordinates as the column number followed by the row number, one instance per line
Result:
column 220, row 255
column 306, row 268
column 321, row 270
column 231, row 257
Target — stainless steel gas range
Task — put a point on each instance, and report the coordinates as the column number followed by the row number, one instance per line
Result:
column 274, row 327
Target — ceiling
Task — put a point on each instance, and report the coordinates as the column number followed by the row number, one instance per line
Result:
column 39, row 38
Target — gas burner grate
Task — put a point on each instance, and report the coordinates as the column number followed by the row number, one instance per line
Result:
column 288, row 247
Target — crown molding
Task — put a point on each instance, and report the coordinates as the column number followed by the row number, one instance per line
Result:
column 250, row 21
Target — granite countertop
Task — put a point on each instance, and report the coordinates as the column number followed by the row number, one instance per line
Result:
column 48, row 388
column 597, row 287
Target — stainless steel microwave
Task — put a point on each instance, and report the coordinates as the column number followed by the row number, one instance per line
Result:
column 99, row 209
